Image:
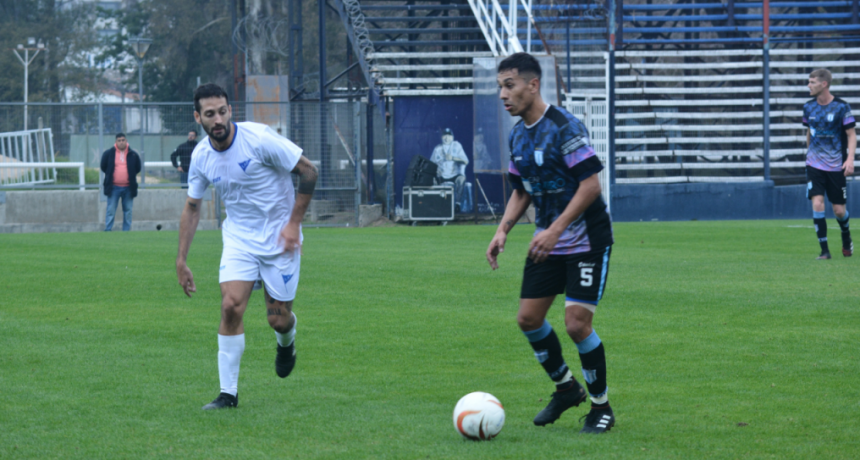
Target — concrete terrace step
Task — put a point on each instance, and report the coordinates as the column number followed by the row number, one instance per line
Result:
column 469, row 18
column 429, row 92
column 415, row 7
column 434, row 30
column 441, row 80
column 432, row 55
column 427, row 64
column 427, row 67
column 405, row 43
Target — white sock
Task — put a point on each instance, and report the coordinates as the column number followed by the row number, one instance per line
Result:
column 602, row 399
column 288, row 338
column 568, row 376
column 230, row 349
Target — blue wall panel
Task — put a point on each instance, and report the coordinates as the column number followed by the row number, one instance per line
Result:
column 738, row 201
column 418, row 125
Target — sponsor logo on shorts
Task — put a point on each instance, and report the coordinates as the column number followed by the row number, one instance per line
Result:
column 585, row 264
column 287, row 278
column 216, row 180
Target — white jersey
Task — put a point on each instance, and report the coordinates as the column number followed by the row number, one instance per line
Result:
column 253, row 178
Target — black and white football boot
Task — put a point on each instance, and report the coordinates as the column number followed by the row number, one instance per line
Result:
column 599, row 420
column 562, row 400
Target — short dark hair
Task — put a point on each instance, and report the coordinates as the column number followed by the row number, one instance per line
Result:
column 206, row 91
column 118, row 135
column 523, row 63
column 822, row 75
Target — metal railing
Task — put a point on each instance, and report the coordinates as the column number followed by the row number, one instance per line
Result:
column 500, row 27
column 30, row 146
column 15, row 169
column 331, row 134
column 701, row 115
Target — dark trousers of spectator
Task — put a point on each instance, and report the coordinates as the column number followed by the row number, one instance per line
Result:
column 183, row 179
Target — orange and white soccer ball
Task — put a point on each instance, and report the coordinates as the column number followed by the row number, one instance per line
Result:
column 479, row 416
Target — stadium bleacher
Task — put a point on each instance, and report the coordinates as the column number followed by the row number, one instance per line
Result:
column 703, row 92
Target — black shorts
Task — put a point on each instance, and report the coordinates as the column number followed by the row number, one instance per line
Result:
column 582, row 276
column 830, row 182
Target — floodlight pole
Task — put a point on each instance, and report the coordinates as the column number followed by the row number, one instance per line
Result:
column 141, row 46
column 26, row 60
column 140, row 97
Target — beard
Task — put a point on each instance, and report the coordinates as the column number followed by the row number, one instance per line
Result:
column 222, row 137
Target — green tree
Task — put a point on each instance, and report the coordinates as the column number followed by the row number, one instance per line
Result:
column 67, row 35
column 190, row 39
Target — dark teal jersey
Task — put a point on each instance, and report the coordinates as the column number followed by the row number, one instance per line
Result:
column 548, row 161
column 828, row 146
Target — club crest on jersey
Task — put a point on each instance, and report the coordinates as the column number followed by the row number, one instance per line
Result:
column 539, row 157
column 244, row 165
column 287, row 278
column 829, row 117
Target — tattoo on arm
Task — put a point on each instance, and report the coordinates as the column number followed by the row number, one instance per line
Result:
column 193, row 206
column 307, row 177
column 509, row 224
column 274, row 312
column 306, row 187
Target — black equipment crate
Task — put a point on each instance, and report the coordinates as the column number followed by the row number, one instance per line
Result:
column 429, row 203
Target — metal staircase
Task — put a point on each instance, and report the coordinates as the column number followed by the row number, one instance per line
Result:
column 424, row 47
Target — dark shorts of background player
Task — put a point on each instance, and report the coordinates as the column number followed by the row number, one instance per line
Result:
column 830, row 182
column 582, row 276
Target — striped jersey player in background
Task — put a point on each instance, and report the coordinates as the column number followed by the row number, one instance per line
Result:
column 831, row 142
column 554, row 167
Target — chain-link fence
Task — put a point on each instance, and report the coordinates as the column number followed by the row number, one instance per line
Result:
column 333, row 135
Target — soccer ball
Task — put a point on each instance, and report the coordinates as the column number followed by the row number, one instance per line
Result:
column 479, row 416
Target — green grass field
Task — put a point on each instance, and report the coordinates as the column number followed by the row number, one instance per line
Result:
column 723, row 339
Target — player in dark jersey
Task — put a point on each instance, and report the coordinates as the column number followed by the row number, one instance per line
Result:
column 831, row 142
column 553, row 166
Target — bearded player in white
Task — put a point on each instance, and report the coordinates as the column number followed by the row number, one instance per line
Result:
column 249, row 165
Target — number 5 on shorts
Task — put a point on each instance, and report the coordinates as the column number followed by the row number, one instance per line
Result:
column 586, row 276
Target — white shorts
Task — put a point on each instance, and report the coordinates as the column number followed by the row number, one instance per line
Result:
column 280, row 273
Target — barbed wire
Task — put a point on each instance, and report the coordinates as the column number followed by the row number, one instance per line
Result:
column 362, row 37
